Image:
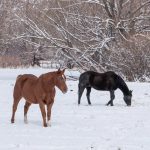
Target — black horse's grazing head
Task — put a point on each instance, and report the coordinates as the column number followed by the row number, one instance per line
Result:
column 127, row 98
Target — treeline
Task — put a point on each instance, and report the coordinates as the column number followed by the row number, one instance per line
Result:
column 99, row 35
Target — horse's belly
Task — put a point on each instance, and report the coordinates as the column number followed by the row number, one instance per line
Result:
column 30, row 99
column 100, row 88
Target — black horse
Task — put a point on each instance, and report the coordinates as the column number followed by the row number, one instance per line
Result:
column 108, row 81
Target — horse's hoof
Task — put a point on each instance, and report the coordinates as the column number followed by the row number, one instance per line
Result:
column 26, row 122
column 45, row 125
column 12, row 121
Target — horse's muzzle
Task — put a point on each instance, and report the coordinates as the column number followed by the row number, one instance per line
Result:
column 129, row 105
column 65, row 91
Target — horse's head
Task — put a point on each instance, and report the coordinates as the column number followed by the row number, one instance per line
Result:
column 127, row 98
column 61, row 80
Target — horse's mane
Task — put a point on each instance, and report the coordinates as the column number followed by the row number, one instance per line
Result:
column 122, row 85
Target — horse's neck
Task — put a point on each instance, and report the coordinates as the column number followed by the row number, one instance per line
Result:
column 123, row 87
column 47, row 82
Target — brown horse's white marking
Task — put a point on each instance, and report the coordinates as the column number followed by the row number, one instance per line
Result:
column 38, row 90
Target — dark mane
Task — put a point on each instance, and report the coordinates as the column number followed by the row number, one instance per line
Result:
column 122, row 85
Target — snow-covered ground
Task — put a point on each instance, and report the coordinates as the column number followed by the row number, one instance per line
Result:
column 96, row 127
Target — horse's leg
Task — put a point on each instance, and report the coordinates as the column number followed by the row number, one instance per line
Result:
column 43, row 112
column 49, row 107
column 112, row 97
column 88, row 95
column 26, row 108
column 80, row 92
column 17, row 98
column 15, row 104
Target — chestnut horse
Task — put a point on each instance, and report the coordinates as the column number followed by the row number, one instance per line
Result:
column 38, row 90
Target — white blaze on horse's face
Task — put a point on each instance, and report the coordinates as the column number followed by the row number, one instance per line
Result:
column 61, row 82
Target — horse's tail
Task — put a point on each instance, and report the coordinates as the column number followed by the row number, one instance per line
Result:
column 17, row 93
column 18, row 77
column 20, row 81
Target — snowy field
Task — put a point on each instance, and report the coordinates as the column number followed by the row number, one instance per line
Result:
column 96, row 127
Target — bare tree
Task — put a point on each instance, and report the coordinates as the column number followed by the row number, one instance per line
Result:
column 98, row 35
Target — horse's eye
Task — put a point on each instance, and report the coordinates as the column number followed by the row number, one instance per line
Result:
column 60, row 78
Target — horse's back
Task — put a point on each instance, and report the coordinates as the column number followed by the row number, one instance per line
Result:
column 99, row 81
column 84, row 78
column 27, row 76
column 22, row 79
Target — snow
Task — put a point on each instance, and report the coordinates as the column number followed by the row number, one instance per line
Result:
column 73, row 127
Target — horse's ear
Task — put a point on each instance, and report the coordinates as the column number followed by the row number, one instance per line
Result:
column 63, row 71
column 59, row 71
column 131, row 92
